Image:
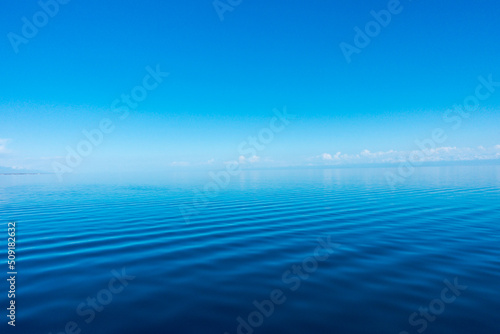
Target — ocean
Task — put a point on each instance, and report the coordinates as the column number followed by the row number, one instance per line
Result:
column 269, row 251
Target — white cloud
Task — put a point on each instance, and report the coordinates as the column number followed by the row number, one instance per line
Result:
column 3, row 145
column 326, row 156
column 252, row 159
column 230, row 162
column 445, row 153
column 19, row 168
column 204, row 163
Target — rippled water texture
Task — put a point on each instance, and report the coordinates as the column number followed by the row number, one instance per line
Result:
column 389, row 254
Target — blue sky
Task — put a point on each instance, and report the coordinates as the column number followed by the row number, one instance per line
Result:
column 227, row 76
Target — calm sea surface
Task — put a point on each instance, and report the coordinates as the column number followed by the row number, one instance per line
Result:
column 302, row 251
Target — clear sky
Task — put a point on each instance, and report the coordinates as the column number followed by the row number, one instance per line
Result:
column 66, row 71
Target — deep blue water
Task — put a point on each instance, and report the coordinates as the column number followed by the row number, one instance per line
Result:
column 388, row 253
